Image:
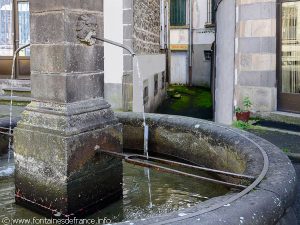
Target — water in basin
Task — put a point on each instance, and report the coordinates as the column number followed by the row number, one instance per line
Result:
column 146, row 193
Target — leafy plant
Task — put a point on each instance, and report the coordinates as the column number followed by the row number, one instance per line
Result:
column 247, row 103
column 238, row 110
column 286, row 150
column 241, row 125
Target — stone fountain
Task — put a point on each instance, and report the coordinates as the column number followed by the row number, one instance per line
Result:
column 56, row 142
column 60, row 170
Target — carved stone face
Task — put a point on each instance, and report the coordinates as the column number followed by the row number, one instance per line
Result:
column 86, row 29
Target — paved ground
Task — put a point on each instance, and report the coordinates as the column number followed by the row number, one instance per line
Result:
column 287, row 142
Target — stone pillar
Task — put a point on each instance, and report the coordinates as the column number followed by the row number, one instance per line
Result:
column 58, row 165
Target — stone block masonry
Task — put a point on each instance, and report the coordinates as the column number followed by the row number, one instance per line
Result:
column 127, row 58
column 58, row 166
column 255, row 54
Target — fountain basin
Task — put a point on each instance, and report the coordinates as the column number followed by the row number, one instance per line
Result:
column 224, row 148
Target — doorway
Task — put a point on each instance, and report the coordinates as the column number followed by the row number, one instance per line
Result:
column 14, row 32
column 289, row 57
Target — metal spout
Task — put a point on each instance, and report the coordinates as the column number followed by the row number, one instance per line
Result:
column 116, row 44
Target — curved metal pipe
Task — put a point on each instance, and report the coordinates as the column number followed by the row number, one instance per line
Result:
column 11, row 95
column 116, row 44
column 15, row 57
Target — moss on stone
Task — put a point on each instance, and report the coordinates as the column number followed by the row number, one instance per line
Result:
column 196, row 97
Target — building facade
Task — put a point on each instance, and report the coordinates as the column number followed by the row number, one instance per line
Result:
column 139, row 24
column 192, row 34
column 257, row 56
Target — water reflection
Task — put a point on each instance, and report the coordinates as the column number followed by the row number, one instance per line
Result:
column 146, row 193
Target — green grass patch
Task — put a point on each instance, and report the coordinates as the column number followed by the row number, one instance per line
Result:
column 203, row 100
column 286, row 150
column 181, row 103
column 242, row 125
column 195, row 97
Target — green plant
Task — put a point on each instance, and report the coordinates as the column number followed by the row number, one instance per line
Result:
column 238, row 110
column 247, row 103
column 286, row 150
column 241, row 125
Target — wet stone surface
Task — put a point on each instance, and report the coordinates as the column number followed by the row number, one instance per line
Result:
column 297, row 203
column 288, row 143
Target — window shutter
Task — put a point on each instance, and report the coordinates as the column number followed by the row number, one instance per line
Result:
column 178, row 12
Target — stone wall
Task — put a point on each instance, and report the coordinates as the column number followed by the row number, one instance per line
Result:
column 256, row 54
column 141, row 32
column 146, row 29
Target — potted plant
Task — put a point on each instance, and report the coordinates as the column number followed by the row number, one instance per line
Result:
column 244, row 115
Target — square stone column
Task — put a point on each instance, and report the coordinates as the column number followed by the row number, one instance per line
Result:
column 57, row 142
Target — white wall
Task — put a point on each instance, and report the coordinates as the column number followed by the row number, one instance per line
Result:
column 199, row 13
column 201, row 34
column 149, row 66
column 113, row 30
column 225, row 70
column 202, row 41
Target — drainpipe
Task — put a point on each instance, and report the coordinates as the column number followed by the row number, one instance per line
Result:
column 190, row 41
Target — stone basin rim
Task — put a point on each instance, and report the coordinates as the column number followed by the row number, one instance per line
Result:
column 278, row 175
column 278, row 187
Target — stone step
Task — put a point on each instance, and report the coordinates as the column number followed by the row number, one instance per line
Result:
column 280, row 126
column 280, row 117
column 17, row 100
column 15, row 83
column 18, row 91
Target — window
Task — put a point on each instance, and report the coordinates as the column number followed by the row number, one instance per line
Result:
column 163, row 80
column 155, row 84
column 24, row 26
column 9, row 23
column 290, row 52
column 6, row 28
column 146, row 95
column 178, row 13
column 164, row 28
column 210, row 13
column 207, row 55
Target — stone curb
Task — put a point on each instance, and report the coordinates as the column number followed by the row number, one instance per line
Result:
column 294, row 157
